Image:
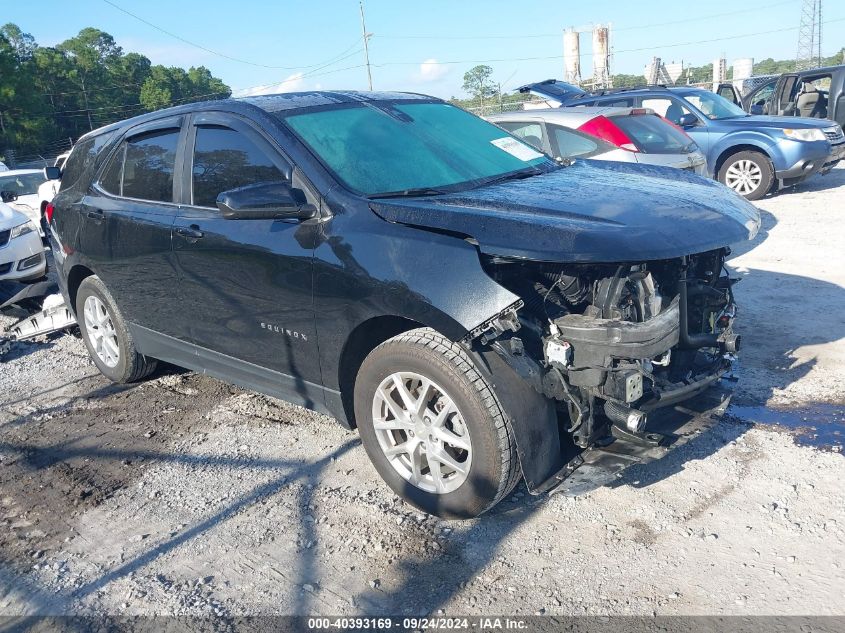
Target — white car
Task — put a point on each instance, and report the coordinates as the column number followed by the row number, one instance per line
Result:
column 49, row 188
column 19, row 189
column 3, row 166
column 22, row 255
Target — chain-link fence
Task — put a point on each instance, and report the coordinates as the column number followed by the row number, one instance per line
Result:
column 14, row 159
column 495, row 107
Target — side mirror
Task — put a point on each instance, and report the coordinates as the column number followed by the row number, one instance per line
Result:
column 8, row 196
column 688, row 120
column 757, row 109
column 265, row 201
column 52, row 173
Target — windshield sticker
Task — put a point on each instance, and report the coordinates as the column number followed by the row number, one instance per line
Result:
column 515, row 148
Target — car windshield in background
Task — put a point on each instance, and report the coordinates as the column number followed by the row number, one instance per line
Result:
column 22, row 184
column 413, row 148
column 714, row 106
column 653, row 135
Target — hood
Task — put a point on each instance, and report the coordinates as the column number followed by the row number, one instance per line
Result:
column 592, row 211
column 10, row 217
column 756, row 121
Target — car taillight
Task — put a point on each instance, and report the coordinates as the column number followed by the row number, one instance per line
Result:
column 48, row 212
column 605, row 129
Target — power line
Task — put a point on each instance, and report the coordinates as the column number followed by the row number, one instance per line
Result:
column 696, row 18
column 615, row 51
column 209, row 50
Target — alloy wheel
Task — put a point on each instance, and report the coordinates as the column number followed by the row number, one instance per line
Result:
column 744, row 176
column 101, row 332
column 422, row 433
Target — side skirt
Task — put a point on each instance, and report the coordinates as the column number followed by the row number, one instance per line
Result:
column 238, row 372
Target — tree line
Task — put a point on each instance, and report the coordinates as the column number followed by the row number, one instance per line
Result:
column 50, row 96
column 486, row 95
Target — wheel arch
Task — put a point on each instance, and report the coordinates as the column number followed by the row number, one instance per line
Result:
column 75, row 277
column 736, row 149
column 363, row 339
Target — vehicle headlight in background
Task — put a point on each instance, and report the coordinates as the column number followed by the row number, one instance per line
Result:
column 22, row 229
column 811, row 134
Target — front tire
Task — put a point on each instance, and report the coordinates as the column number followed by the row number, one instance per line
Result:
column 749, row 173
column 433, row 427
column 106, row 336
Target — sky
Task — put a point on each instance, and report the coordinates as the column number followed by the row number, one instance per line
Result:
column 267, row 46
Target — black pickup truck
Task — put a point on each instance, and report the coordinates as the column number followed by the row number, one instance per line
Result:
column 817, row 92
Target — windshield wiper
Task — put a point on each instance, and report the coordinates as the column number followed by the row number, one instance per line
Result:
column 515, row 175
column 418, row 191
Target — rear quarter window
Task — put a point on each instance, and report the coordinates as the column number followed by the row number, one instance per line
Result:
column 81, row 162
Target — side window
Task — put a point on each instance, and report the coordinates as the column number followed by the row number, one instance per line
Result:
column 531, row 133
column 571, row 144
column 619, row 103
column 148, row 165
column 666, row 107
column 225, row 159
column 112, row 176
column 761, row 97
column 76, row 162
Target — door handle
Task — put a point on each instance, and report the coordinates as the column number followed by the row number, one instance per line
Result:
column 97, row 215
column 190, row 233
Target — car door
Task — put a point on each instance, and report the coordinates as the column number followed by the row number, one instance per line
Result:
column 729, row 92
column 245, row 283
column 783, row 98
column 127, row 217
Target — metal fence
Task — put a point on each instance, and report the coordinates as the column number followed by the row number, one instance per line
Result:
column 14, row 159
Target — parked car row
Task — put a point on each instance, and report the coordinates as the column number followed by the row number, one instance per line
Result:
column 750, row 154
column 479, row 311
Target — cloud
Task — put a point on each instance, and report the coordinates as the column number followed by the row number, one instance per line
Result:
column 432, row 70
column 290, row 84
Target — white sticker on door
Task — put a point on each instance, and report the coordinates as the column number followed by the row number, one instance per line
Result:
column 515, row 148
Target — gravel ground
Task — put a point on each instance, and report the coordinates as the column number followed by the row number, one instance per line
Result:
column 183, row 495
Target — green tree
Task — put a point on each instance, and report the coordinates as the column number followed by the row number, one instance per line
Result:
column 478, row 82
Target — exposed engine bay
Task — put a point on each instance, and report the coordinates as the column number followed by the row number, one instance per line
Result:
column 611, row 342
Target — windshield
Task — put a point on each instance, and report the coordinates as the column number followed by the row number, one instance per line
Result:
column 392, row 147
column 713, row 106
column 22, row 184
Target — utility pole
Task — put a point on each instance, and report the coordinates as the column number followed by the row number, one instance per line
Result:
column 366, row 47
column 87, row 109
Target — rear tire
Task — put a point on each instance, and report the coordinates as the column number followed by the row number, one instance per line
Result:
column 106, row 336
column 749, row 173
column 459, row 463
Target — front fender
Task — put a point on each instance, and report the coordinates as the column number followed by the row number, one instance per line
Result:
column 732, row 142
column 366, row 268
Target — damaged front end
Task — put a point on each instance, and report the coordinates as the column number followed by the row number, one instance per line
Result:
column 609, row 343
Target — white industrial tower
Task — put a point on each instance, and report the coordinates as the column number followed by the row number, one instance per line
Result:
column 810, row 35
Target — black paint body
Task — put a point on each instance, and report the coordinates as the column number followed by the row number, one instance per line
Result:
column 278, row 305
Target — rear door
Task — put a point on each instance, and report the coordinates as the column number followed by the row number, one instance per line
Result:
column 128, row 215
column 245, row 283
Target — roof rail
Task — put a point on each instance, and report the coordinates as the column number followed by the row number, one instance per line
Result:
column 608, row 91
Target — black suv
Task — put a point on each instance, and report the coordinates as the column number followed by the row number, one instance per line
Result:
column 476, row 309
